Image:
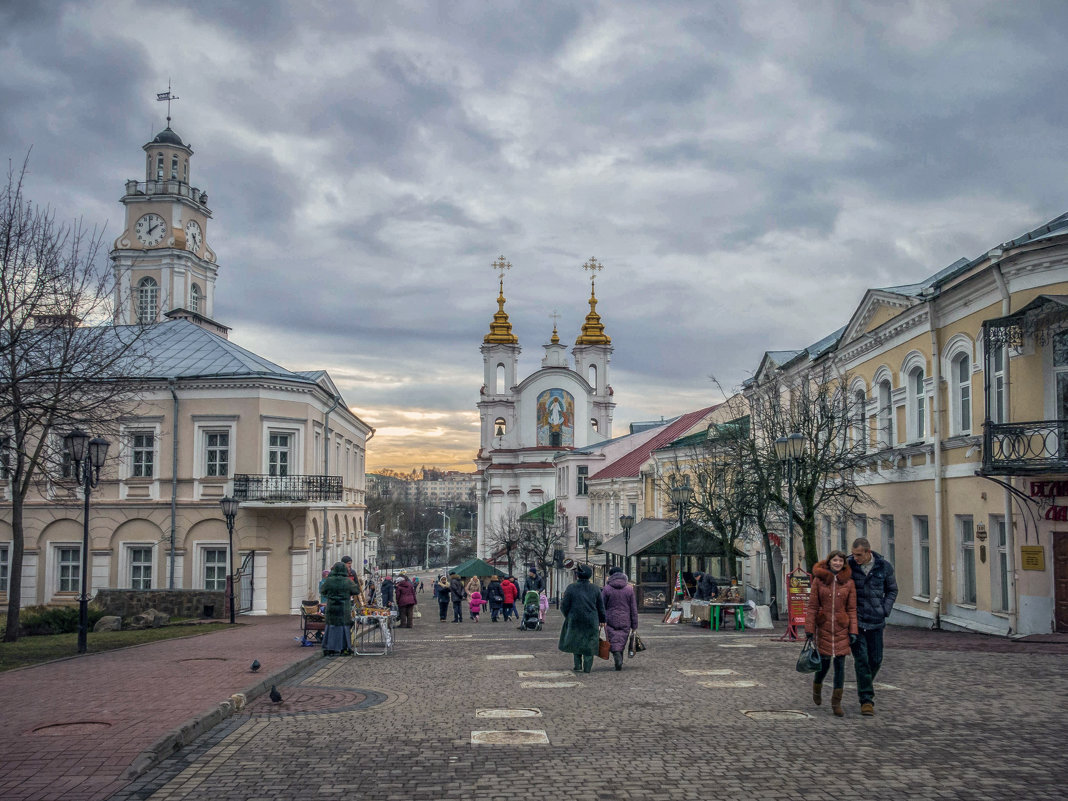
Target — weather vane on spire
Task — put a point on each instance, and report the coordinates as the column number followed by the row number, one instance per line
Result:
column 594, row 267
column 160, row 96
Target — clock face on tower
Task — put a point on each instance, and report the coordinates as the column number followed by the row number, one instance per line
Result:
column 150, row 230
column 194, row 237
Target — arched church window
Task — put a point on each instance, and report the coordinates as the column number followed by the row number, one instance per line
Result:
column 185, row 170
column 159, row 166
column 194, row 298
column 174, row 168
column 498, row 383
column 593, row 423
column 592, row 375
column 499, row 427
column 147, row 300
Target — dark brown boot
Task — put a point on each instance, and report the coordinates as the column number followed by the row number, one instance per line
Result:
column 817, row 692
column 836, row 703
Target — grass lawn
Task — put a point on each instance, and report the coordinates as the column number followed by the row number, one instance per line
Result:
column 34, row 650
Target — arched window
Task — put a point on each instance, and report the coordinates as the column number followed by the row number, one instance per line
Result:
column 147, row 300
column 592, row 376
column 917, row 417
column 500, row 428
column 593, row 423
column 194, row 298
column 498, row 383
column 185, row 170
column 962, row 393
column 174, row 168
column 997, row 385
column 885, row 420
column 159, row 166
column 859, row 416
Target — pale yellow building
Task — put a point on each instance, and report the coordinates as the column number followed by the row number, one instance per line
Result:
column 213, row 419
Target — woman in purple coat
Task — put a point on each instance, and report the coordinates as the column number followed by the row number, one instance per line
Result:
column 621, row 612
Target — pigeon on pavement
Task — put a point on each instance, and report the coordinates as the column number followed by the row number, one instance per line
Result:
column 255, row 665
column 276, row 696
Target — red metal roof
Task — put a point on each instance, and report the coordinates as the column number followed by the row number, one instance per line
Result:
column 628, row 465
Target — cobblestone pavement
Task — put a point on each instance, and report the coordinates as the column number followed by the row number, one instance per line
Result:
column 950, row 724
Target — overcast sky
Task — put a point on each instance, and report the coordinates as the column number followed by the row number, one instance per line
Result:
column 744, row 171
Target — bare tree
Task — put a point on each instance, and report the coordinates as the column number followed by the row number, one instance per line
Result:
column 62, row 363
column 540, row 538
column 505, row 534
column 819, row 405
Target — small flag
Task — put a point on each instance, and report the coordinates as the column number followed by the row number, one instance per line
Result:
column 163, row 95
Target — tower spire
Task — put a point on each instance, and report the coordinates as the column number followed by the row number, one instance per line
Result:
column 161, row 96
column 500, row 328
column 593, row 329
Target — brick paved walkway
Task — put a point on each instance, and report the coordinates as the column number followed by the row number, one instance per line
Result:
column 72, row 729
column 959, row 717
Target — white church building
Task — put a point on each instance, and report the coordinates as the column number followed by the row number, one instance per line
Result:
column 525, row 423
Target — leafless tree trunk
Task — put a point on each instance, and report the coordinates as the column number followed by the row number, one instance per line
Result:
column 505, row 535
column 62, row 362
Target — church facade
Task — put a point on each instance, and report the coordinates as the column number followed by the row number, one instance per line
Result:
column 525, row 423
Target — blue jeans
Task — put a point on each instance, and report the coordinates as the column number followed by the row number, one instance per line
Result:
column 867, row 659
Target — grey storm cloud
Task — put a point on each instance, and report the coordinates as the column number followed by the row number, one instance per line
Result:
column 744, row 171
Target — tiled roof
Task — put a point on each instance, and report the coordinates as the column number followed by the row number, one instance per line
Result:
column 628, row 465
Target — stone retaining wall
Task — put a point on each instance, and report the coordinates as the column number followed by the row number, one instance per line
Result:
column 176, row 603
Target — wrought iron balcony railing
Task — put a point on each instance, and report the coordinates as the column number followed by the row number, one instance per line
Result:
column 287, row 489
column 1025, row 448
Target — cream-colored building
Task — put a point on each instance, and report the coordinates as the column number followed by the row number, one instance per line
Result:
column 960, row 389
column 212, row 419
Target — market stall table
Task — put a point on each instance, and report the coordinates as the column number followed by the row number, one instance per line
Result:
column 372, row 631
column 711, row 614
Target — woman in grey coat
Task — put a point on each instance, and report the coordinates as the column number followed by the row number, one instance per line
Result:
column 583, row 609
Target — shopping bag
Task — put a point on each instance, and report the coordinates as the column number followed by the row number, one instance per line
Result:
column 809, row 659
column 417, row 613
column 604, row 647
column 639, row 646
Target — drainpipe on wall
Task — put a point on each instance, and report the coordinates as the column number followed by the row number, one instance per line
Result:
column 326, row 471
column 936, row 435
column 172, row 385
column 1010, row 533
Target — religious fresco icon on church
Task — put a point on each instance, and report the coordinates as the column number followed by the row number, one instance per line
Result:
column 556, row 419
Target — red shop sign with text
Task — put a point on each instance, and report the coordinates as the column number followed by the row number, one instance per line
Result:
column 798, row 585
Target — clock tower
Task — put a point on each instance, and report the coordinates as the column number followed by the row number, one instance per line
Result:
column 162, row 262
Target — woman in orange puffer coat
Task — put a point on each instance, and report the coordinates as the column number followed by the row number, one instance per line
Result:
column 832, row 619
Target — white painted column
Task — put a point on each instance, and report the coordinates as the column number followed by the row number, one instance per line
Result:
column 29, row 579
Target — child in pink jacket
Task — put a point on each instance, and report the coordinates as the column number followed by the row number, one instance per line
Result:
column 475, row 604
column 543, row 606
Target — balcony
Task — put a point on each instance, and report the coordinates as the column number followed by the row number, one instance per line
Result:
column 1034, row 448
column 166, row 187
column 287, row 489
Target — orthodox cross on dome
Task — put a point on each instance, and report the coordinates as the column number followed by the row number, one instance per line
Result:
column 502, row 265
column 161, row 96
column 555, row 316
column 594, row 267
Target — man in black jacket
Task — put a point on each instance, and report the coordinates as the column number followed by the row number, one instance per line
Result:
column 876, row 593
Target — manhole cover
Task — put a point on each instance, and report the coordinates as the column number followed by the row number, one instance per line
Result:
column 515, row 737
column 204, row 659
column 64, row 729
column 776, row 714
column 310, row 700
column 739, row 645
column 547, row 685
column 729, row 684
column 715, row 672
column 510, row 656
column 508, row 713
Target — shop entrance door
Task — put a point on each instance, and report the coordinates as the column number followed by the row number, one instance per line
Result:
column 1060, row 580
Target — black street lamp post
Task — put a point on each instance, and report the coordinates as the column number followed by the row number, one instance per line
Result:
column 680, row 496
column 229, row 509
column 87, row 456
column 789, row 450
column 627, row 522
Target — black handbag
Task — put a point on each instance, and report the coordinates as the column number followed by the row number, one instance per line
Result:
column 634, row 644
column 809, row 659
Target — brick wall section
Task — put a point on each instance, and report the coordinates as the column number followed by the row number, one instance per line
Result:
column 176, row 603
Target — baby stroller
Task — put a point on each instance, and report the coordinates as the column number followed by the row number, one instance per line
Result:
column 531, row 613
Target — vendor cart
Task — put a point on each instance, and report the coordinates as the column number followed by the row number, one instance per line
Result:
column 372, row 631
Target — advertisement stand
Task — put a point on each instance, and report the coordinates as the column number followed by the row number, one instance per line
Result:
column 798, row 585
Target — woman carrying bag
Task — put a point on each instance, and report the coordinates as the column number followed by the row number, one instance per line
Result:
column 621, row 612
column 832, row 619
column 583, row 609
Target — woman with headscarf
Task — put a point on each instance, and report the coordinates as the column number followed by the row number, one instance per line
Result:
column 441, row 593
column 621, row 612
column 338, row 590
column 583, row 610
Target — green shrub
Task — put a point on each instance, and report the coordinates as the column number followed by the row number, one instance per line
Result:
column 35, row 620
